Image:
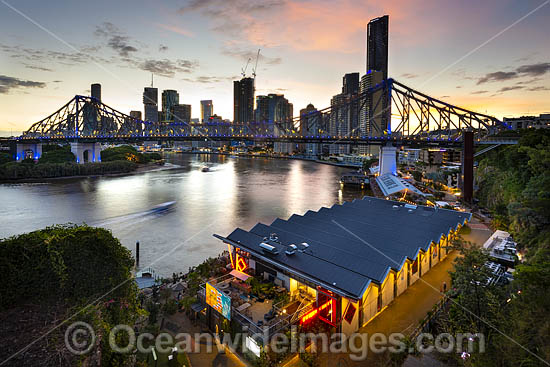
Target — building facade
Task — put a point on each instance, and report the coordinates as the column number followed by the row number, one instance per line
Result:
column 377, row 45
column 408, row 156
column 207, row 110
column 529, row 122
column 136, row 114
column 96, row 91
column 182, row 113
column 332, row 275
column 243, row 100
column 309, row 126
column 372, row 110
column 150, row 104
column 170, row 98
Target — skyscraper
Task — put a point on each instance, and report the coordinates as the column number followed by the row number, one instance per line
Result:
column 181, row 113
column 243, row 100
column 150, row 104
column 309, row 126
column 96, row 91
column 377, row 45
column 170, row 98
column 344, row 117
column 262, row 109
column 350, row 83
column 207, row 110
column 373, row 116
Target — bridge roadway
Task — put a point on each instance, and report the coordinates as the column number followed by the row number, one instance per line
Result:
column 351, row 140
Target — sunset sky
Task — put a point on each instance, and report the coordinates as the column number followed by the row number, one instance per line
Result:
column 491, row 56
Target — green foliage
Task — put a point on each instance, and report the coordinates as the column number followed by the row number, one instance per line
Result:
column 515, row 186
column 154, row 156
column 68, row 262
column 84, row 269
column 5, row 158
column 171, row 306
column 417, row 175
column 310, row 359
column 28, row 161
column 16, row 171
column 125, row 152
column 367, row 163
column 56, row 154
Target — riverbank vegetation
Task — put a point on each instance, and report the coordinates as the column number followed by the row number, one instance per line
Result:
column 59, row 161
column 74, row 273
column 514, row 185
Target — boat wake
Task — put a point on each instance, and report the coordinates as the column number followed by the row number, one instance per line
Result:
column 134, row 218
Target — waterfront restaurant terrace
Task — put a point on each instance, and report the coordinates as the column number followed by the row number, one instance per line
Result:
column 259, row 307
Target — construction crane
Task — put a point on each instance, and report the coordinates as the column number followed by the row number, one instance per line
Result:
column 256, row 66
column 243, row 70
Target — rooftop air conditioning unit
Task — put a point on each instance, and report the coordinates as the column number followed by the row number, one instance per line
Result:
column 291, row 250
column 268, row 248
column 304, row 246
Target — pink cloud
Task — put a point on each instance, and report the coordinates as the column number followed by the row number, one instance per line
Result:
column 175, row 29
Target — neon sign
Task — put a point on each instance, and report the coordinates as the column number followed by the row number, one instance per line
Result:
column 311, row 314
column 239, row 263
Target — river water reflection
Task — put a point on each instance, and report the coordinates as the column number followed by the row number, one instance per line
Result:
column 236, row 192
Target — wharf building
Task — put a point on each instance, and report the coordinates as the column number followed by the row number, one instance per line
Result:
column 341, row 265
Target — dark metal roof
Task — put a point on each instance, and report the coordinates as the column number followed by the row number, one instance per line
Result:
column 351, row 244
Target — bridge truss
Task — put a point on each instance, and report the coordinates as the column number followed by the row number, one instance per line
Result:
column 389, row 111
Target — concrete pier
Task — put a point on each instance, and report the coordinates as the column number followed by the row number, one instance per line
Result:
column 86, row 152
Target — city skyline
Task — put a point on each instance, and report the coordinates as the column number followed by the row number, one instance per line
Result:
column 306, row 67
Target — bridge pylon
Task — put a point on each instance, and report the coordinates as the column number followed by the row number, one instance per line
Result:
column 387, row 159
column 86, row 152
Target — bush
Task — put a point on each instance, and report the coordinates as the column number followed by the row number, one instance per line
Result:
column 171, row 306
column 5, row 158
column 15, row 171
column 59, row 155
column 65, row 261
column 124, row 152
column 154, row 156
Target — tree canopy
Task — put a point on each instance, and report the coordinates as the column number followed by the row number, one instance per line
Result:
column 69, row 271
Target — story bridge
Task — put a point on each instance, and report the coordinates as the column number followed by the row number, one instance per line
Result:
column 389, row 113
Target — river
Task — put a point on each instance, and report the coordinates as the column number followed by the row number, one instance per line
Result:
column 236, row 192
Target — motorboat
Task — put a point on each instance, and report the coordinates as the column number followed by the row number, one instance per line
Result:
column 163, row 207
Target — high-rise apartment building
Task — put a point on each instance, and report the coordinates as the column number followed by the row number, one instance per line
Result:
column 243, row 100
column 377, row 45
column 207, row 110
column 170, row 98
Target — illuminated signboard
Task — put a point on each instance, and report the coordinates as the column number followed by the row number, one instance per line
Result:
column 253, row 346
column 219, row 301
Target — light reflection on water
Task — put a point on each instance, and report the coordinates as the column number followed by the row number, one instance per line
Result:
column 236, row 192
